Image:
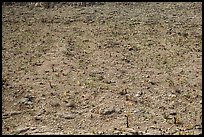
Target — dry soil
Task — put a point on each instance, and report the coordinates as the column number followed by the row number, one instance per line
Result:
column 110, row 68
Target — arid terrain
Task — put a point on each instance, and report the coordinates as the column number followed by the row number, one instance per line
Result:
column 107, row 68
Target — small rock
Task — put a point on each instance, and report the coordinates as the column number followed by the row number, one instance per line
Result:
column 153, row 131
column 38, row 117
column 13, row 113
column 173, row 113
column 70, row 104
column 67, row 116
column 116, row 132
column 118, row 110
column 132, row 131
column 139, row 94
column 21, row 129
column 127, row 97
column 5, row 116
column 123, row 92
column 49, row 133
column 42, row 111
column 39, row 62
column 88, row 133
column 33, row 128
column 126, row 133
column 57, row 74
column 65, row 72
column 66, row 61
column 100, row 132
column 29, row 103
column 194, row 132
column 109, row 111
column 47, row 70
column 55, row 103
column 197, row 132
column 24, row 100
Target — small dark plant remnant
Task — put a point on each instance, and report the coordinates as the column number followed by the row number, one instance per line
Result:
column 50, row 84
column 53, row 68
column 127, row 121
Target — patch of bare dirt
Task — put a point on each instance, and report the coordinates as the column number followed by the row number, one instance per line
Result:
column 110, row 68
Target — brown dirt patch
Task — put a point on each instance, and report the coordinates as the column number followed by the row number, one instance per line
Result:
column 84, row 70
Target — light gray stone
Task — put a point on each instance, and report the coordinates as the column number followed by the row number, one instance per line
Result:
column 67, row 115
column 21, row 129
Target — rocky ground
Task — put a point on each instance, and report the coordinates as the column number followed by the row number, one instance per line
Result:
column 107, row 68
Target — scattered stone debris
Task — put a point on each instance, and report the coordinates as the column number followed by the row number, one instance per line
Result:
column 122, row 68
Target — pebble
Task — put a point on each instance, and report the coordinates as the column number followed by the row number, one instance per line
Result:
column 67, row 115
column 116, row 132
column 66, row 61
column 26, row 100
column 123, row 92
column 47, row 70
column 88, row 133
column 100, row 132
column 55, row 103
column 33, row 128
column 38, row 117
column 70, row 104
column 151, row 131
column 39, row 62
column 49, row 133
column 12, row 113
column 65, row 72
column 126, row 133
column 118, row 110
column 132, row 131
column 109, row 111
column 21, row 129
column 42, row 111
column 197, row 132
column 139, row 94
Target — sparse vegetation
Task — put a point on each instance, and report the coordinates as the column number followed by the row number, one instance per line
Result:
column 102, row 68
